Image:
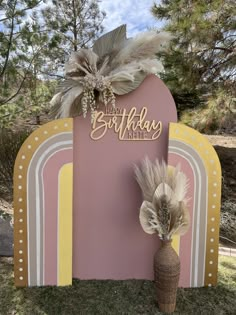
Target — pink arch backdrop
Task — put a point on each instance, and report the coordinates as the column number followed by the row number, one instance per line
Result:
column 106, row 240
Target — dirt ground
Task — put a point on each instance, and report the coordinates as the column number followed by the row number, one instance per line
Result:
column 222, row 140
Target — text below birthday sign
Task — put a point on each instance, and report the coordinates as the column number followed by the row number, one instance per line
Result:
column 129, row 125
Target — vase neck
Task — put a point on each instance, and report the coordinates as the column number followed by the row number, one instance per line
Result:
column 166, row 243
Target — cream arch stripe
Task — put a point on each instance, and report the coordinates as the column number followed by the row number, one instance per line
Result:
column 200, row 203
column 36, row 219
column 212, row 164
column 20, row 189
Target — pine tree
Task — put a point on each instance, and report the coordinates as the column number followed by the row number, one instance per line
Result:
column 35, row 42
column 74, row 24
column 202, row 56
column 16, row 59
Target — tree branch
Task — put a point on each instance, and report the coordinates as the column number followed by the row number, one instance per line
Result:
column 22, row 82
column 52, row 75
column 23, row 10
column 9, row 44
column 230, row 50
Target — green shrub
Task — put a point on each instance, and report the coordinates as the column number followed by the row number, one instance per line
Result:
column 217, row 115
column 10, row 143
column 228, row 222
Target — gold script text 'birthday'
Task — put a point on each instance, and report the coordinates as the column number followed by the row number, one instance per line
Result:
column 129, row 126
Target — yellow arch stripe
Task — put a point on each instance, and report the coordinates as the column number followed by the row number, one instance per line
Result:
column 175, row 243
column 65, row 225
column 211, row 161
column 176, row 238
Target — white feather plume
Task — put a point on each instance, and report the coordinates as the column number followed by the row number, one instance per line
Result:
column 181, row 186
column 164, row 189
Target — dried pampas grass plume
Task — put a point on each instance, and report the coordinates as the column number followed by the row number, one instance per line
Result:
column 114, row 66
column 164, row 209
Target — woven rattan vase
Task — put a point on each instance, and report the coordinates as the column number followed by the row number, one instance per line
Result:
column 166, row 272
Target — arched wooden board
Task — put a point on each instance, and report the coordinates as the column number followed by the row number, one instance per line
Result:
column 109, row 242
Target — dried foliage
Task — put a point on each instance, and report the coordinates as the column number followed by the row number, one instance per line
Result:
column 216, row 116
column 164, row 209
column 115, row 66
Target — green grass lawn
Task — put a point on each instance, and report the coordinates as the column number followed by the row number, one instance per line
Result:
column 115, row 297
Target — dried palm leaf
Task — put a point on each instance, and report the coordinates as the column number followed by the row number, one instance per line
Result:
column 109, row 41
column 148, row 219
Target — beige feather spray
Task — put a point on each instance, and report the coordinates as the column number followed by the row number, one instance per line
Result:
column 164, row 210
column 114, row 66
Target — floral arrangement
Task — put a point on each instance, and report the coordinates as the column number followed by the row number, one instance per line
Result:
column 114, row 66
column 164, row 209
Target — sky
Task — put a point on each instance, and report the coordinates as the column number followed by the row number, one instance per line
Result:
column 136, row 14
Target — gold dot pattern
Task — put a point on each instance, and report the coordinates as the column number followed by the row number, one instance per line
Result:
column 20, row 192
